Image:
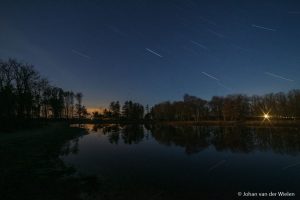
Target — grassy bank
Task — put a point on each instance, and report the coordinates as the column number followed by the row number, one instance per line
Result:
column 30, row 167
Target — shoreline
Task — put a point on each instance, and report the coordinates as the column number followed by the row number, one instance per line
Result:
column 276, row 123
column 42, row 123
column 254, row 123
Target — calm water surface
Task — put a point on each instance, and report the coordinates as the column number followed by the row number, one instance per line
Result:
column 189, row 161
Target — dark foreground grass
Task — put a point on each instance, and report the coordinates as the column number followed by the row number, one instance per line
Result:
column 30, row 167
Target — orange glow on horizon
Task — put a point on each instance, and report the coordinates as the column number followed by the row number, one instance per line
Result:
column 93, row 109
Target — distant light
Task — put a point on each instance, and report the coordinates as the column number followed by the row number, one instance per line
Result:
column 266, row 116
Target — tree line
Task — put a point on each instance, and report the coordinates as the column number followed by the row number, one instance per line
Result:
column 25, row 94
column 130, row 111
column 236, row 107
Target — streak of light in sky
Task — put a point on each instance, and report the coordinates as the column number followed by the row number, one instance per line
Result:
column 153, row 52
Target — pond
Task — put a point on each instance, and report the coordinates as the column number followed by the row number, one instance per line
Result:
column 190, row 162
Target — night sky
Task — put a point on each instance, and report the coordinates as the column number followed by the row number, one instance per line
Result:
column 152, row 51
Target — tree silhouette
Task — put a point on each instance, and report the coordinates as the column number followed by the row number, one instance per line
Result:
column 24, row 94
column 132, row 111
column 79, row 110
column 114, row 107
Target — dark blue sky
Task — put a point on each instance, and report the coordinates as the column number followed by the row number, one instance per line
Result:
column 151, row 51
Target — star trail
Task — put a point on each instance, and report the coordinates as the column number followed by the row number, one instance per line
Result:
column 153, row 51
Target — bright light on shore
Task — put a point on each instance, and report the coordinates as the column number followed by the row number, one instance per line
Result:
column 266, row 116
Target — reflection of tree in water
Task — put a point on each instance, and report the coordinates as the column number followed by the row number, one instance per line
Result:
column 281, row 140
column 97, row 127
column 243, row 139
column 148, row 126
column 132, row 134
column 193, row 138
column 113, row 133
column 70, row 147
column 197, row 138
column 236, row 139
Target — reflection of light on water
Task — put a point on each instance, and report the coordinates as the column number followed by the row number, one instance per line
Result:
column 85, row 126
